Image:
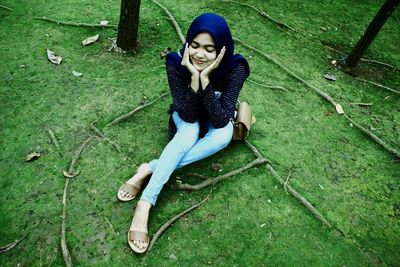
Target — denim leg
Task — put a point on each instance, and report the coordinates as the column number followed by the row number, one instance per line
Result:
column 214, row 141
column 184, row 139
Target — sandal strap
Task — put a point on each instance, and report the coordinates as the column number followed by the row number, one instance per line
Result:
column 131, row 189
column 139, row 236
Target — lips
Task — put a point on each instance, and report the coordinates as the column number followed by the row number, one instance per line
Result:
column 199, row 62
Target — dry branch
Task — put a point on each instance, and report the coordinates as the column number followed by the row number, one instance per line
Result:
column 215, row 180
column 173, row 20
column 77, row 24
column 6, row 8
column 130, row 113
column 100, row 134
column 172, row 220
column 10, row 246
column 293, row 192
column 268, row 86
column 64, row 248
column 322, row 94
column 71, row 170
column 55, row 142
column 262, row 13
column 379, row 85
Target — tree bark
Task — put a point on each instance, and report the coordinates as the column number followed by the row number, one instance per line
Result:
column 128, row 25
column 376, row 24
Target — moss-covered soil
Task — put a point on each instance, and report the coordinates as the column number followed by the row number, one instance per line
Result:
column 249, row 220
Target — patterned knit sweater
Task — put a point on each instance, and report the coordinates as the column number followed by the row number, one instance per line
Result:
column 217, row 103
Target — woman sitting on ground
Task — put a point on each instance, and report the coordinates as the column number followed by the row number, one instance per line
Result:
column 205, row 79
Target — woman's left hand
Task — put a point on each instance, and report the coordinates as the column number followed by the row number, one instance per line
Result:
column 205, row 74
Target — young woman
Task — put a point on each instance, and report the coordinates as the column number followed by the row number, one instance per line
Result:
column 205, row 79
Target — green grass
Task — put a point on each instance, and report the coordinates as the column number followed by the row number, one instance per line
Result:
column 249, row 220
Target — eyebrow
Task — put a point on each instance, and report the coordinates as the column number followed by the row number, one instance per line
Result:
column 209, row 45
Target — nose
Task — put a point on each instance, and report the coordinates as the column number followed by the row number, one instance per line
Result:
column 200, row 54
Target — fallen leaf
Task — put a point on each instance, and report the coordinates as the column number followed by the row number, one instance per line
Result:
column 164, row 53
column 173, row 257
column 70, row 175
column 253, row 119
column 53, row 57
column 90, row 40
column 339, row 109
column 216, row 167
column 76, row 74
column 330, row 77
column 32, row 156
column 262, row 225
column 104, row 23
column 320, row 186
column 269, row 201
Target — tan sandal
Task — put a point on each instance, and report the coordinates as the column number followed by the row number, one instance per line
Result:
column 138, row 236
column 132, row 189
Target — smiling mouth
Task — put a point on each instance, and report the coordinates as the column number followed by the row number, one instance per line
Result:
column 199, row 62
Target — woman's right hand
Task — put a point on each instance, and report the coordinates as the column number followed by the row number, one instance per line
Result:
column 186, row 62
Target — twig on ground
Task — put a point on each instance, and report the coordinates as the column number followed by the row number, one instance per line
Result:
column 293, row 192
column 71, row 170
column 364, row 59
column 114, row 144
column 173, row 20
column 102, row 135
column 77, row 24
column 7, row 8
column 287, row 179
column 361, row 104
column 268, row 86
column 130, row 113
column 215, row 180
column 10, row 246
column 55, row 142
column 262, row 13
column 379, row 85
column 322, row 94
column 174, row 219
column 64, row 248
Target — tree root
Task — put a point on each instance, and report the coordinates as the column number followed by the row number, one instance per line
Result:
column 379, row 85
column 262, row 13
column 100, row 134
column 173, row 20
column 10, row 246
column 64, row 248
column 323, row 95
column 365, row 60
column 55, row 142
column 288, row 187
column 132, row 112
column 164, row 227
column 6, row 8
column 77, row 24
column 71, row 173
column 214, row 180
column 268, row 86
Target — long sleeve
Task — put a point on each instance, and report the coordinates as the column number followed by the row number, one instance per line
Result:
column 185, row 101
column 221, row 110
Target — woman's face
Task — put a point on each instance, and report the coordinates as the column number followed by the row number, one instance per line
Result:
column 202, row 51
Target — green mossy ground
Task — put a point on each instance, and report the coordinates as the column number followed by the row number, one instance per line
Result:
column 249, row 220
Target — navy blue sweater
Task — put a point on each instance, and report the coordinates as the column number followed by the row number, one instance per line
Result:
column 217, row 103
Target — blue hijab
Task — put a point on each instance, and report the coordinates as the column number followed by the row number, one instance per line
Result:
column 217, row 27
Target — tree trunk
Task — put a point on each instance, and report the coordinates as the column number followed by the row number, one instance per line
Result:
column 128, row 25
column 371, row 32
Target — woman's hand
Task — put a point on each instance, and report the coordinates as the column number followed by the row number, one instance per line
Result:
column 186, row 61
column 205, row 74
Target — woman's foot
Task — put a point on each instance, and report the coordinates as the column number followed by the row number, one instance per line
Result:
column 131, row 188
column 138, row 238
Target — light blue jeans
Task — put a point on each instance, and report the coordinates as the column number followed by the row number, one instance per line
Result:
column 183, row 149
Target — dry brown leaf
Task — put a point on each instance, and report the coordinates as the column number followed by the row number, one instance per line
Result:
column 339, row 109
column 253, row 119
column 76, row 73
column 90, row 40
column 53, row 57
column 216, row 167
column 32, row 156
column 70, row 175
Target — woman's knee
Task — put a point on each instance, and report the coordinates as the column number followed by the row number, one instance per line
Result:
column 187, row 135
column 222, row 136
